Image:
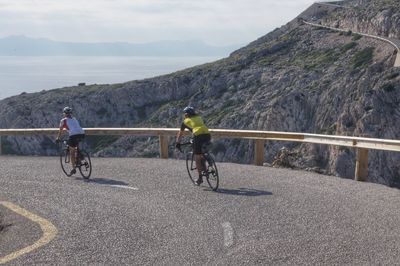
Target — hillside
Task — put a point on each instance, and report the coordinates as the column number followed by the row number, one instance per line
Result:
column 298, row 78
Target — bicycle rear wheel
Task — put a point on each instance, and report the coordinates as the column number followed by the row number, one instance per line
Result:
column 65, row 161
column 84, row 164
column 212, row 172
column 191, row 167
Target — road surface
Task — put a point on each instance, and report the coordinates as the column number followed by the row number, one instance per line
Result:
column 147, row 212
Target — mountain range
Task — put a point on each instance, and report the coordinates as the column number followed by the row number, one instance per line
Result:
column 24, row 46
column 297, row 78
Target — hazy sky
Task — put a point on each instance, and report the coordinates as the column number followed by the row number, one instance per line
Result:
column 216, row 22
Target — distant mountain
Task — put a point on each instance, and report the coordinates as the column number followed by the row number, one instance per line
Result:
column 25, row 46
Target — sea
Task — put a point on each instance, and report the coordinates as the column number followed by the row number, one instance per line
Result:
column 25, row 74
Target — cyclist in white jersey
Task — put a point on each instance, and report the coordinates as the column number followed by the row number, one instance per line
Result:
column 75, row 133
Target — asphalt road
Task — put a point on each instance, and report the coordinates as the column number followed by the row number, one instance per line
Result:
column 147, row 212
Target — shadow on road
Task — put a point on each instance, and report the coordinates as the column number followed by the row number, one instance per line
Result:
column 3, row 226
column 243, row 192
column 103, row 181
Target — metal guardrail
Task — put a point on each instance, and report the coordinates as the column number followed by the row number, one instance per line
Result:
column 363, row 145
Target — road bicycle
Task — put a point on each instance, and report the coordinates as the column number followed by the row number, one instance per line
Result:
column 83, row 162
column 207, row 161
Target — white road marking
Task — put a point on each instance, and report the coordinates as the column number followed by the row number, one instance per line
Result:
column 228, row 234
column 126, row 187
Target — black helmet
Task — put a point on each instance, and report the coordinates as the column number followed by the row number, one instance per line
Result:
column 189, row 110
column 67, row 110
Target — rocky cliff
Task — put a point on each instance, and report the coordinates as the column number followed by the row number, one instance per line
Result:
column 297, row 78
column 377, row 17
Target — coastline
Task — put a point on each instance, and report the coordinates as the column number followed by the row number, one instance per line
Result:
column 36, row 73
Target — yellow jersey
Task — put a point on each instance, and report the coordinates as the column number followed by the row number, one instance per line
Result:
column 195, row 124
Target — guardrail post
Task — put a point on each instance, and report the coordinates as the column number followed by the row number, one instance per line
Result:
column 259, row 152
column 163, row 146
column 361, row 165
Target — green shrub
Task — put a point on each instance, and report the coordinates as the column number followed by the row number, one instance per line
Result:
column 6, row 146
column 330, row 130
column 101, row 112
column 141, row 111
column 344, row 149
column 356, row 37
column 349, row 124
column 150, row 154
column 97, row 143
column 348, row 33
column 329, row 57
column 348, row 46
column 309, row 67
column 218, row 147
column 393, row 75
column 388, row 87
column 268, row 60
column 363, row 57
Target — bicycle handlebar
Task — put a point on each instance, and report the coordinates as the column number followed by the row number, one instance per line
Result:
column 61, row 141
column 186, row 143
column 182, row 144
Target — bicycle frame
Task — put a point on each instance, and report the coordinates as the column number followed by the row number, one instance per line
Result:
column 209, row 171
column 82, row 160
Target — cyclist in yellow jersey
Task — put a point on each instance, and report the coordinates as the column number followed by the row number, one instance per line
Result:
column 194, row 123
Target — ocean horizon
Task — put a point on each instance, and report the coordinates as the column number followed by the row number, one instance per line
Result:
column 19, row 74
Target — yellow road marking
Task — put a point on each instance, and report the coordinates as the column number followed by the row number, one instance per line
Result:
column 49, row 231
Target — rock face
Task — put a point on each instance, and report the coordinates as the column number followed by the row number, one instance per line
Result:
column 377, row 17
column 297, row 78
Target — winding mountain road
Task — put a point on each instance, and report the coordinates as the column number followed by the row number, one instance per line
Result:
column 146, row 212
column 316, row 8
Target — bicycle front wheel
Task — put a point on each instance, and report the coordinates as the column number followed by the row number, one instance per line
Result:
column 65, row 161
column 84, row 164
column 212, row 172
column 191, row 167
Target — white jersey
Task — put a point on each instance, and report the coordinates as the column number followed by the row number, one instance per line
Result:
column 72, row 125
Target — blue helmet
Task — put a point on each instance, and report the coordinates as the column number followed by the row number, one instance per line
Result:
column 189, row 110
column 67, row 110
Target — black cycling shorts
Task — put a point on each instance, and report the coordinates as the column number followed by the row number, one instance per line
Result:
column 73, row 141
column 199, row 141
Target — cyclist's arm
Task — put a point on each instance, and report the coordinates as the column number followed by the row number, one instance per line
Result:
column 179, row 137
column 61, row 128
column 180, row 133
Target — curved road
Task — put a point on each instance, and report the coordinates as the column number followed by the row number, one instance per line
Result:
column 395, row 42
column 146, row 212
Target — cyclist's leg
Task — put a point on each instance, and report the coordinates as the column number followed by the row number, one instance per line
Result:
column 198, row 157
column 205, row 146
column 199, row 165
column 72, row 153
column 73, row 143
column 198, row 142
column 80, row 138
